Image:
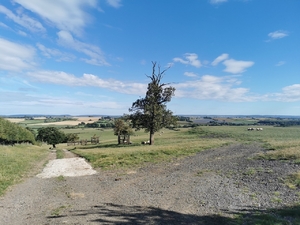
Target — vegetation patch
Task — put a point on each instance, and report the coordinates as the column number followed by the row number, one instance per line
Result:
column 170, row 145
column 202, row 172
column 293, row 181
column 57, row 211
column 60, row 154
column 16, row 161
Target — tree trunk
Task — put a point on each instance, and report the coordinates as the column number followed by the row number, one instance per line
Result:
column 119, row 139
column 151, row 138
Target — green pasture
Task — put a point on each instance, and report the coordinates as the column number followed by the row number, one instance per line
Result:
column 282, row 143
column 168, row 145
column 16, row 161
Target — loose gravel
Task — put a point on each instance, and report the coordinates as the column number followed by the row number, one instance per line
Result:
column 70, row 167
column 202, row 189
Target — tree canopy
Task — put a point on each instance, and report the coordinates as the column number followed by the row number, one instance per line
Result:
column 51, row 135
column 121, row 128
column 151, row 112
column 11, row 133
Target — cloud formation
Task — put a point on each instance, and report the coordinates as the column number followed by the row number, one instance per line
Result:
column 232, row 66
column 64, row 14
column 62, row 78
column 280, row 63
column 190, row 59
column 55, row 53
column 23, row 20
column 217, row 1
column 289, row 94
column 235, row 67
column 94, row 52
column 190, row 74
column 114, row 3
column 15, row 57
column 278, row 34
column 220, row 59
column 213, row 88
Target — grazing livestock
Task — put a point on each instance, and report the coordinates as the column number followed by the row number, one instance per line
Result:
column 258, row 129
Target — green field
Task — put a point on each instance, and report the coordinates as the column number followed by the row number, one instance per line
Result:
column 168, row 144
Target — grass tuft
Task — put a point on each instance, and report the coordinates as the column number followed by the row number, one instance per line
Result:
column 293, row 180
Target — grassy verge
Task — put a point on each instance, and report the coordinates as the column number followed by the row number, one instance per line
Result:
column 282, row 142
column 60, row 154
column 16, row 161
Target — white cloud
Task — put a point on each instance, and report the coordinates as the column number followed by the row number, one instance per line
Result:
column 114, row 3
column 217, row 1
column 190, row 74
column 235, row 67
column 22, row 33
column 23, row 102
column 280, row 63
column 15, row 57
column 289, row 94
column 213, row 88
column 64, row 14
column 94, row 52
column 220, row 59
column 62, row 78
column 23, row 20
column 278, row 34
column 3, row 25
column 58, row 55
column 190, row 59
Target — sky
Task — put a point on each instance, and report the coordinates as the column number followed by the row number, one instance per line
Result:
column 92, row 57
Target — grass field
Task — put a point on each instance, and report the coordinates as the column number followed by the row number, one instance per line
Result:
column 282, row 144
column 168, row 145
column 16, row 161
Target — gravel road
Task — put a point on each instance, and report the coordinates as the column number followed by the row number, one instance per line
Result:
column 202, row 189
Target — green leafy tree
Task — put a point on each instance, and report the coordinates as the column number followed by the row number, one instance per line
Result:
column 71, row 137
column 151, row 112
column 51, row 135
column 121, row 128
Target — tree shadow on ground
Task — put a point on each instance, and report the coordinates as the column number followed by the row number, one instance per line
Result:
column 113, row 214
column 107, row 146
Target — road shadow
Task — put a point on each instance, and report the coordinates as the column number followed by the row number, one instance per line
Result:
column 114, row 214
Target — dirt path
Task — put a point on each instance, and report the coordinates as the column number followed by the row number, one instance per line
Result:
column 195, row 190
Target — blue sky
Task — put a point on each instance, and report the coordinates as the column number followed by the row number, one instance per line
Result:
column 226, row 57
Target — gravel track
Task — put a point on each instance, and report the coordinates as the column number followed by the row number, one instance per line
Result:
column 199, row 189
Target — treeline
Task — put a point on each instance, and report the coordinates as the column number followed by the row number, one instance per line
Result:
column 98, row 124
column 11, row 133
column 280, row 123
